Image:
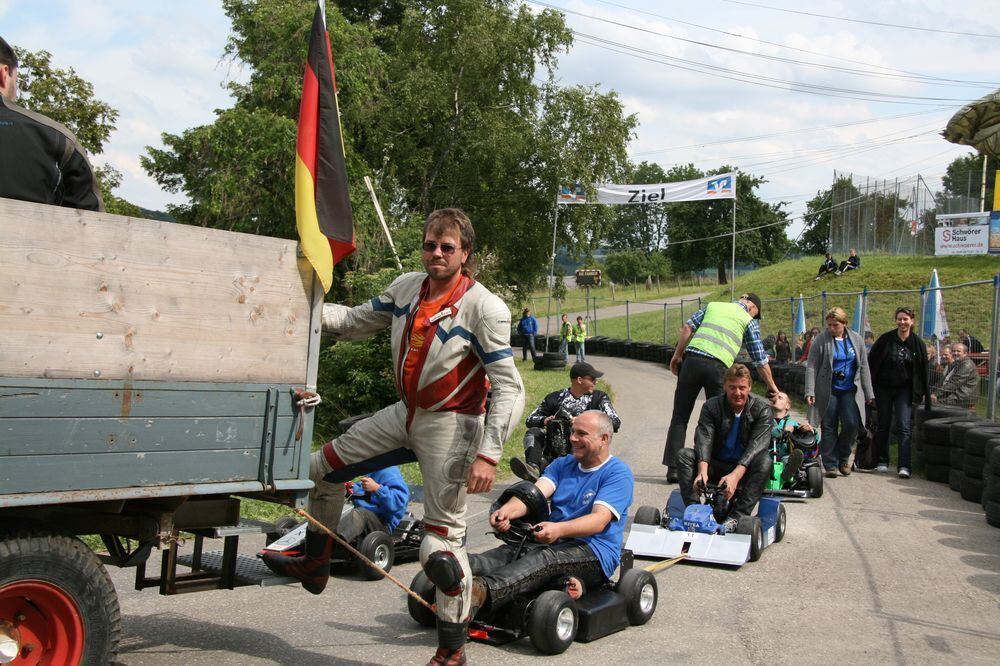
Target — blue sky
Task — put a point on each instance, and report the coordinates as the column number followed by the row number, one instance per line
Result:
column 160, row 65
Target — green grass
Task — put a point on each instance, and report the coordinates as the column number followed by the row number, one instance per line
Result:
column 646, row 326
column 967, row 307
column 537, row 385
column 576, row 298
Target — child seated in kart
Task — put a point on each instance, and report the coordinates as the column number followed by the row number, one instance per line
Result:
column 781, row 430
column 375, row 502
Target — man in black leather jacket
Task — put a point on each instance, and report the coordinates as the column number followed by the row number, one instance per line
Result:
column 40, row 160
column 730, row 446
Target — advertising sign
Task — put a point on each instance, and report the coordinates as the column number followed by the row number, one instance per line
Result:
column 962, row 233
column 720, row 186
column 995, row 232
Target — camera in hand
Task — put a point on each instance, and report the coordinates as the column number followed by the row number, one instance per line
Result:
column 840, row 374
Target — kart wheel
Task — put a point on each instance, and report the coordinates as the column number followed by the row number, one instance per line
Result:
column 638, row 586
column 553, row 622
column 814, row 476
column 751, row 525
column 379, row 548
column 282, row 526
column 647, row 515
column 779, row 527
column 423, row 615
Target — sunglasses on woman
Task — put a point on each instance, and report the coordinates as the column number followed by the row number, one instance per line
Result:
column 447, row 249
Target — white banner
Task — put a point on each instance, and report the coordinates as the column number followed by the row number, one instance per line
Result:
column 722, row 186
column 967, row 233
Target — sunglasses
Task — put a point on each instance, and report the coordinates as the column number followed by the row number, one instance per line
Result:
column 447, row 249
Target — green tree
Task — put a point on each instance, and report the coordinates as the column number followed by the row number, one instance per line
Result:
column 66, row 97
column 815, row 237
column 963, row 181
column 641, row 226
column 762, row 241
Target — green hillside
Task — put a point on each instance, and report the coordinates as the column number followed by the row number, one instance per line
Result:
column 966, row 307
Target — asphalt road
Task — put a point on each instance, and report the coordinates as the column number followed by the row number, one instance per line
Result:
column 879, row 570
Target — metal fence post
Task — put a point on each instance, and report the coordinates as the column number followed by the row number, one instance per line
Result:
column 822, row 313
column 628, row 323
column 991, row 409
column 664, row 323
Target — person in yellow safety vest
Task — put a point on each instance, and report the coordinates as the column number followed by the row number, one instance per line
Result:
column 579, row 336
column 565, row 332
column 708, row 345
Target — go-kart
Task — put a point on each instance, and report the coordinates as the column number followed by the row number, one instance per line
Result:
column 288, row 536
column 697, row 531
column 808, row 480
column 549, row 616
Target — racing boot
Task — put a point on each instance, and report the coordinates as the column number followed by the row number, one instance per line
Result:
column 791, row 471
column 311, row 568
column 523, row 470
column 443, row 569
column 451, row 644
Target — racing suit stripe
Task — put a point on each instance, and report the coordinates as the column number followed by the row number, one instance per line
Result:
column 330, row 454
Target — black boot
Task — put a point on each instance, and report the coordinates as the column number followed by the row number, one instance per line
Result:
column 792, row 466
column 451, row 644
column 312, row 568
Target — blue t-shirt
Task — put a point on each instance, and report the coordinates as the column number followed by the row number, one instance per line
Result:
column 845, row 360
column 732, row 449
column 578, row 490
column 389, row 501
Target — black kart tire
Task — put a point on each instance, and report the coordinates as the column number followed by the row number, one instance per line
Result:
column 751, row 525
column 937, row 455
column 425, row 589
column 282, row 526
column 814, row 475
column 553, row 622
column 971, row 490
column 58, row 581
column 955, row 477
column 647, row 515
column 779, row 527
column 638, row 586
column 380, row 549
column 937, row 473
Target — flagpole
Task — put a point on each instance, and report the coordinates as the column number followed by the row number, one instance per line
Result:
column 732, row 282
column 381, row 218
column 552, row 271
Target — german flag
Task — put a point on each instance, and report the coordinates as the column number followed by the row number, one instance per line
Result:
column 322, row 205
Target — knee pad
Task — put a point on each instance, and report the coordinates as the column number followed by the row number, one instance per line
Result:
column 444, row 570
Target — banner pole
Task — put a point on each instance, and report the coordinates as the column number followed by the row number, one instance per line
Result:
column 732, row 282
column 552, row 271
column 381, row 218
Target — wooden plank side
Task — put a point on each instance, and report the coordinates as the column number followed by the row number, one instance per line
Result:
column 88, row 295
column 38, row 474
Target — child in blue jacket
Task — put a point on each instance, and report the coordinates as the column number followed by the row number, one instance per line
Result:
column 377, row 502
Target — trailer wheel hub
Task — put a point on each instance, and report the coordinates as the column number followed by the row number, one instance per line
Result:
column 41, row 624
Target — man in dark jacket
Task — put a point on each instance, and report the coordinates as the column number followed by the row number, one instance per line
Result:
column 547, row 437
column 730, row 447
column 40, row 160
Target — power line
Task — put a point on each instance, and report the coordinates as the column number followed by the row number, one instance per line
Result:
column 852, row 20
column 757, row 79
column 764, row 56
column 754, row 39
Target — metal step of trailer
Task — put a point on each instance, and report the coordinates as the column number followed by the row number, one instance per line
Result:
column 249, row 570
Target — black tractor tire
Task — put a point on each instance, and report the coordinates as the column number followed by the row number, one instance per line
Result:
column 814, row 476
column 779, row 527
column 553, row 622
column 60, row 582
column 937, row 473
column 638, row 586
column 971, row 490
column 647, row 515
column 380, row 549
column 751, row 525
column 425, row 589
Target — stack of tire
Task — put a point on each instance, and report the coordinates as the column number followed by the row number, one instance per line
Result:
column 550, row 361
column 597, row 345
column 974, row 465
column 795, row 381
column 936, row 439
column 991, row 481
column 921, row 416
column 956, row 458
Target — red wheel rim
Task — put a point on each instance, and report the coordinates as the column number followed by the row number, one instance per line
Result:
column 48, row 620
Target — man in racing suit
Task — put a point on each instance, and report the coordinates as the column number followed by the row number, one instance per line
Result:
column 450, row 344
column 40, row 159
column 546, row 438
column 730, row 447
column 581, row 542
